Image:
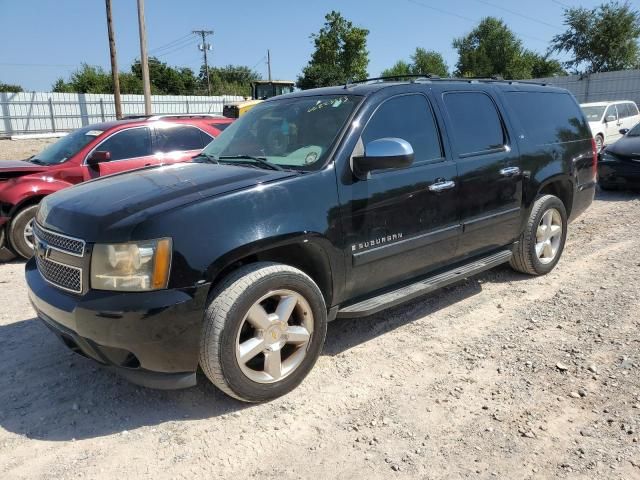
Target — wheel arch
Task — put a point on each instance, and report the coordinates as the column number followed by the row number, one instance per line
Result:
column 561, row 187
column 305, row 252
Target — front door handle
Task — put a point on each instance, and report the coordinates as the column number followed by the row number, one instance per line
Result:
column 442, row 186
column 510, row 171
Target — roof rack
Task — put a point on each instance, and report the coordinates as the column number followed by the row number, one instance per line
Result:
column 413, row 78
column 172, row 115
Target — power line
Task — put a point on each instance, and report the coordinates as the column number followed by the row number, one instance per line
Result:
column 185, row 41
column 177, row 49
column 518, row 14
column 171, row 43
column 468, row 19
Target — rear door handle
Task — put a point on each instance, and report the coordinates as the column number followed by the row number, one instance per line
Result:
column 442, row 186
column 510, row 171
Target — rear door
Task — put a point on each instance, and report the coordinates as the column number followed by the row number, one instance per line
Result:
column 130, row 149
column 489, row 170
column 400, row 223
column 176, row 142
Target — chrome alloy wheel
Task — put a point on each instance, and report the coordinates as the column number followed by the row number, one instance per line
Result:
column 549, row 236
column 274, row 335
column 28, row 234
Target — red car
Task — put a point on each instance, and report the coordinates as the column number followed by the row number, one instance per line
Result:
column 91, row 152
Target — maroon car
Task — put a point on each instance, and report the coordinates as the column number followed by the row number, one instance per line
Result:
column 91, row 152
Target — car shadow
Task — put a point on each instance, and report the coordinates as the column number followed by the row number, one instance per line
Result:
column 620, row 195
column 50, row 393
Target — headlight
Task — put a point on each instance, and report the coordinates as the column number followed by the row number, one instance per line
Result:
column 131, row 267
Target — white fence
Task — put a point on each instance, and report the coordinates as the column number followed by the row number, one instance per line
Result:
column 41, row 112
column 597, row 87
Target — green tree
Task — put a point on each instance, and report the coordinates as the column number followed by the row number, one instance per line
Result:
column 167, row 80
column 601, row 39
column 88, row 79
column 429, row 61
column 340, row 54
column 7, row 87
column 228, row 80
column 542, row 65
column 399, row 69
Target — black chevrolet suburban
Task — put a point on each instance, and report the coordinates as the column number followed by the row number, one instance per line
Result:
column 322, row 204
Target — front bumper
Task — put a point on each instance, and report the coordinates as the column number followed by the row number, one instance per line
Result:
column 151, row 338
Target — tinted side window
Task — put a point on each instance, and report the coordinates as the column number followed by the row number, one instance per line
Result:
column 611, row 112
column 548, row 117
column 410, row 118
column 179, row 137
column 476, row 122
column 633, row 109
column 132, row 143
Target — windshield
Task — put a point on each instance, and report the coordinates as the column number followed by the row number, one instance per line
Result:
column 593, row 114
column 634, row 132
column 66, row 147
column 294, row 133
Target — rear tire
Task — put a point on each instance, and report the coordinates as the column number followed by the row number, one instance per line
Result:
column 263, row 331
column 542, row 242
column 21, row 231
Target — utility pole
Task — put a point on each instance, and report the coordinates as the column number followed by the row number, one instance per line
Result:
column 204, row 46
column 144, row 60
column 114, row 62
column 269, row 64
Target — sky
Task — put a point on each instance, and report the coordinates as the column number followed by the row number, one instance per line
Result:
column 43, row 40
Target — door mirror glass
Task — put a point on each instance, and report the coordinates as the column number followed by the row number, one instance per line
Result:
column 382, row 154
column 624, row 131
column 99, row 156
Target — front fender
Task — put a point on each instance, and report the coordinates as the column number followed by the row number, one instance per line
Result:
column 19, row 191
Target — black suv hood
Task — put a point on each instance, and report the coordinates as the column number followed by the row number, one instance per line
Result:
column 112, row 206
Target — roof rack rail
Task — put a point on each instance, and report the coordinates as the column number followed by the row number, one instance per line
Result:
column 412, row 76
column 429, row 77
column 186, row 115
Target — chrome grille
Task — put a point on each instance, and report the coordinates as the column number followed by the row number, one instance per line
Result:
column 62, row 276
column 60, row 242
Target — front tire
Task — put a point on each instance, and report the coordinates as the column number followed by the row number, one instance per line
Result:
column 21, row 231
column 542, row 242
column 263, row 331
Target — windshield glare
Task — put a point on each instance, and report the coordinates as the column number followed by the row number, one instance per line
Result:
column 294, row 133
column 593, row 114
column 66, row 147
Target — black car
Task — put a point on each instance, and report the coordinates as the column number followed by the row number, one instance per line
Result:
column 619, row 165
column 322, row 204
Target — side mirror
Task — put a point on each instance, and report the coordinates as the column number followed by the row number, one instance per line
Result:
column 610, row 118
column 382, row 154
column 99, row 156
column 624, row 131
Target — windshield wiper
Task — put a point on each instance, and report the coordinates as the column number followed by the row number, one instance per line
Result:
column 207, row 157
column 259, row 160
column 36, row 161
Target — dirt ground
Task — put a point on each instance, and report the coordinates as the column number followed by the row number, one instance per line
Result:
column 21, row 149
column 501, row 376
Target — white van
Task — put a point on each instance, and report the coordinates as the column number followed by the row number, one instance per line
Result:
column 606, row 119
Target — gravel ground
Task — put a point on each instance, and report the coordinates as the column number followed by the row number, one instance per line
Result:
column 21, row 149
column 501, row 376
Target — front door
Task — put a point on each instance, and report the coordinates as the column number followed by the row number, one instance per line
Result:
column 129, row 149
column 400, row 223
column 489, row 171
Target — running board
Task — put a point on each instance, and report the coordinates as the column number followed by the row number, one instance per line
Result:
column 395, row 297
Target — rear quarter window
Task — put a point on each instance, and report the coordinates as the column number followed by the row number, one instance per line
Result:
column 548, row 117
